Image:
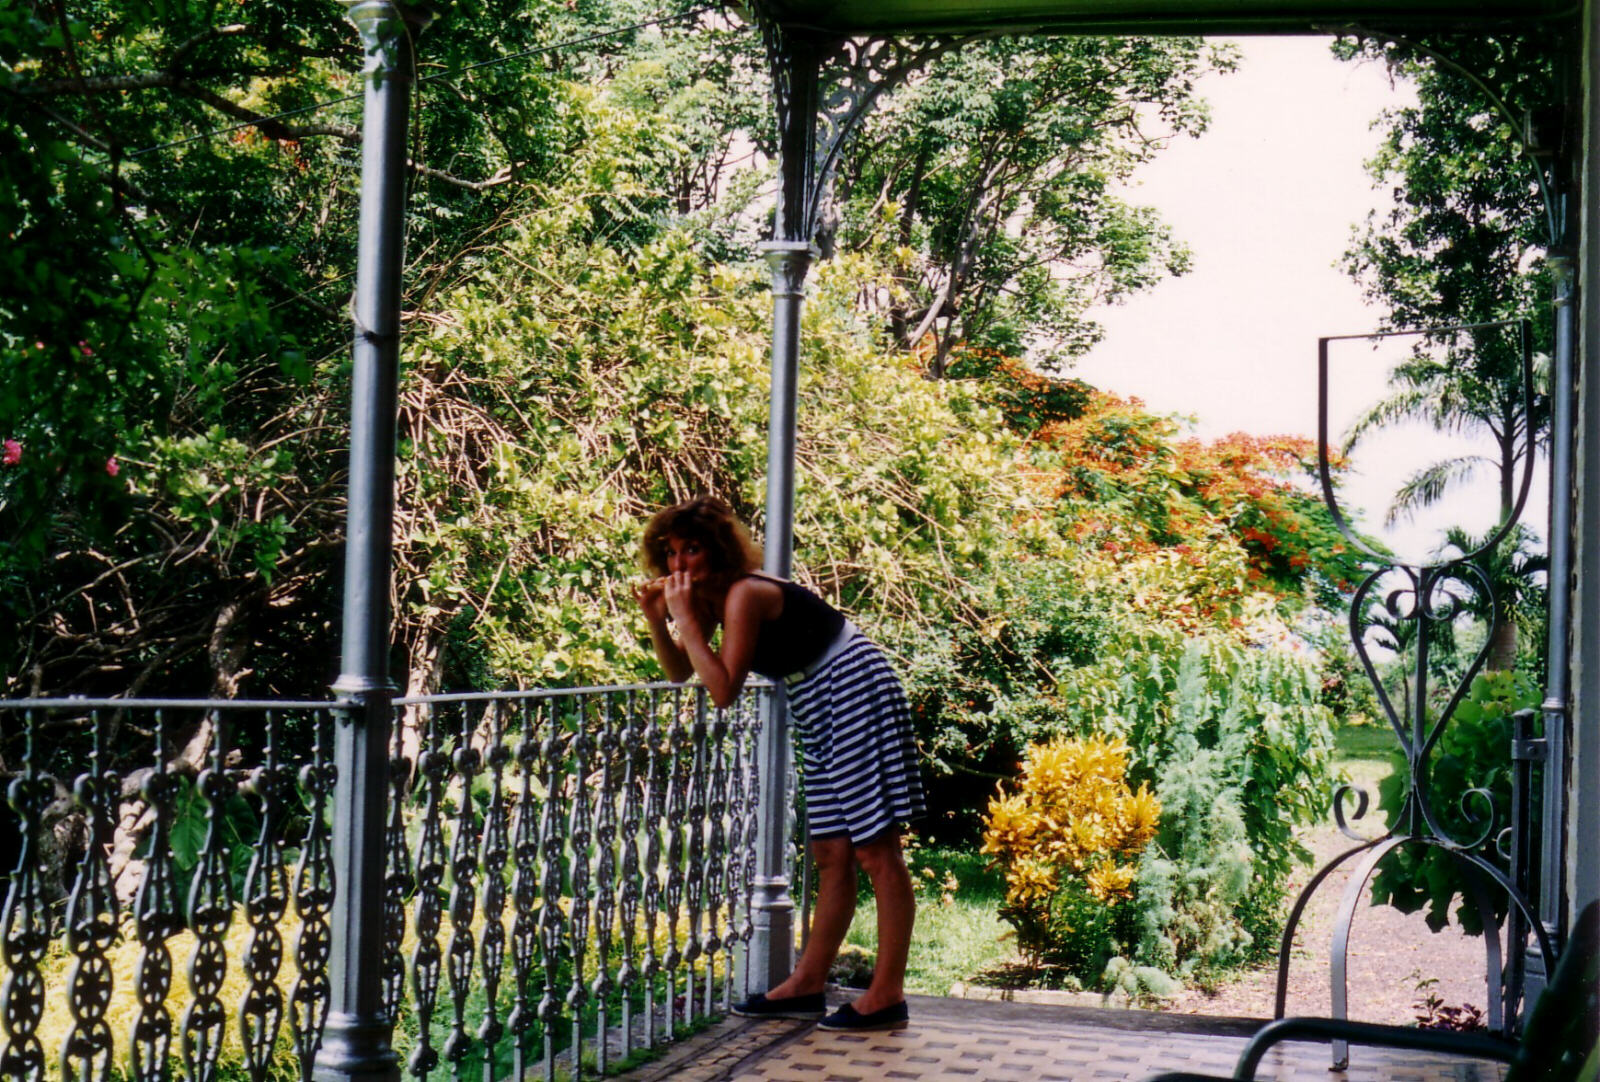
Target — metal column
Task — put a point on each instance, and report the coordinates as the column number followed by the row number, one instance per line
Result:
column 771, row 955
column 1582, row 872
column 356, row 1037
column 1556, row 707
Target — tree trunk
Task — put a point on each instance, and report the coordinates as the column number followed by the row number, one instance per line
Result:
column 1502, row 646
column 422, row 678
column 1503, row 642
column 899, row 318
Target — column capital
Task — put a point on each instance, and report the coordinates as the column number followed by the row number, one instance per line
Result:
column 789, row 260
column 380, row 20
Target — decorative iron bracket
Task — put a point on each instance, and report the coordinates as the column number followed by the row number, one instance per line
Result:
column 823, row 87
column 1546, row 123
column 1428, row 597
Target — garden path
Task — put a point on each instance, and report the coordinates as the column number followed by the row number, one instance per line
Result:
column 1390, row 954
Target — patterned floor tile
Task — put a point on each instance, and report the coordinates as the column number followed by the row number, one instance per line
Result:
column 958, row 1041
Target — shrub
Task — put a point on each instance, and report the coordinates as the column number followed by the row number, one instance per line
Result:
column 1471, row 761
column 1236, row 748
column 1067, row 839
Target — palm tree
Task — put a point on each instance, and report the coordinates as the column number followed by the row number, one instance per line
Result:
column 1512, row 569
column 1460, row 392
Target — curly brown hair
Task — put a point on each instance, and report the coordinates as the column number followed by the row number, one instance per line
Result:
column 709, row 522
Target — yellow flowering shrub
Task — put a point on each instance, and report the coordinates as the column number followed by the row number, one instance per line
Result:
column 1067, row 838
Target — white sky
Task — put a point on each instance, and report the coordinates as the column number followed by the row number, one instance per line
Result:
column 1267, row 199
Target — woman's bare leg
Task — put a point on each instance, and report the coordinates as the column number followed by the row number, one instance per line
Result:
column 836, row 905
column 891, row 886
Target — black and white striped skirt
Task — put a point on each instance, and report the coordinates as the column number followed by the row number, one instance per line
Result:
column 858, row 754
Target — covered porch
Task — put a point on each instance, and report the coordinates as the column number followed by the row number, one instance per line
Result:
column 562, row 883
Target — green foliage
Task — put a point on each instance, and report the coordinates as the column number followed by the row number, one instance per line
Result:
column 579, row 385
column 1469, row 790
column 1028, row 400
column 172, row 318
column 1460, row 244
column 1464, row 244
column 1139, row 983
column 987, row 184
column 1125, row 479
column 1236, row 747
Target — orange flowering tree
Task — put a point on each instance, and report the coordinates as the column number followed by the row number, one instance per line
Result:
column 1127, row 487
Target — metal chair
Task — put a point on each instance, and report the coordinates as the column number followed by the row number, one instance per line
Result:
column 1558, row 1042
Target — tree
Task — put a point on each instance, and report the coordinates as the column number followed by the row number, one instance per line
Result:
column 1514, row 573
column 1463, row 245
column 1128, row 484
column 988, row 185
column 178, row 196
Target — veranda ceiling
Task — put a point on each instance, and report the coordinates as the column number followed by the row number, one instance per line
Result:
column 1158, row 16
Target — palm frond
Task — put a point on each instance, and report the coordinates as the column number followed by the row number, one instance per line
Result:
column 1405, row 405
column 1427, row 485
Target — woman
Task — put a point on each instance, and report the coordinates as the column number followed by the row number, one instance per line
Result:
column 859, row 757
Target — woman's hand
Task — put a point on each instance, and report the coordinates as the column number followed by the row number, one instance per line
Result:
column 652, row 598
column 678, row 590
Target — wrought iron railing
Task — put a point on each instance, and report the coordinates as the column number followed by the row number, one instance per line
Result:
column 566, row 884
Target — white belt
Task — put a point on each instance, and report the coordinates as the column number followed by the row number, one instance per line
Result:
column 847, row 635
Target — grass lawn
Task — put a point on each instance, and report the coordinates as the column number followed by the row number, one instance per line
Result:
column 958, row 932
column 1364, row 754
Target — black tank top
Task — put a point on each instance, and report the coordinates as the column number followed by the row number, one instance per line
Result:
column 801, row 633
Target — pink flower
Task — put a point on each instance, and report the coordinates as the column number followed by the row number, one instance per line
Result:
column 112, row 469
column 13, row 453
column 84, row 346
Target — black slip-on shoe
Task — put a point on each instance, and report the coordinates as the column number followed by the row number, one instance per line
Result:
column 804, row 1007
column 848, row 1019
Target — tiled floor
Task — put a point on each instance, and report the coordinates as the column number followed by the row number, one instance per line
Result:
column 952, row 1040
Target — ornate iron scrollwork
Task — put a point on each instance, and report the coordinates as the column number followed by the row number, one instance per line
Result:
column 91, row 924
column 655, row 768
column 552, row 750
column 579, row 836
column 694, row 869
column 266, row 900
column 677, row 779
column 397, row 879
column 822, row 89
column 524, row 891
column 210, row 914
column 605, row 878
column 25, row 927
column 716, row 844
column 1424, row 600
column 313, row 901
column 750, row 768
column 496, row 851
column 633, row 745
column 157, row 916
column 463, row 897
column 426, row 957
